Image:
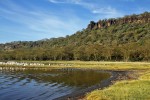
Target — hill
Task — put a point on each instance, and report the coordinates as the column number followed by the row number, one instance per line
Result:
column 123, row 39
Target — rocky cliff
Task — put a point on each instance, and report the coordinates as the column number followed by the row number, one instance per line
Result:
column 142, row 18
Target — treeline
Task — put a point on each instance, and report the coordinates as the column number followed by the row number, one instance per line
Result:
column 127, row 52
column 122, row 39
column 134, row 28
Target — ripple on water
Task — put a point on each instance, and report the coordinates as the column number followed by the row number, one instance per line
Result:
column 39, row 85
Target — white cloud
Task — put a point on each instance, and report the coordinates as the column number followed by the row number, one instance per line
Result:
column 129, row 0
column 56, row 1
column 41, row 23
column 94, row 8
column 106, row 10
column 65, row 1
column 44, row 23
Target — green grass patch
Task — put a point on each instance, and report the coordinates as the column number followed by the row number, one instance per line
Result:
column 125, row 90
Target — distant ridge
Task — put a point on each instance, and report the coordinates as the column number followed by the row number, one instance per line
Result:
column 126, row 38
column 142, row 18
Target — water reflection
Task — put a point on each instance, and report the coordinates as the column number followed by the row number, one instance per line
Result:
column 42, row 84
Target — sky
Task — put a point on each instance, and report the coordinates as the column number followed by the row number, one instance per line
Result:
column 30, row 20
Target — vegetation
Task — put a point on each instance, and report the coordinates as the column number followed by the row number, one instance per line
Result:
column 122, row 39
column 125, row 90
column 88, row 65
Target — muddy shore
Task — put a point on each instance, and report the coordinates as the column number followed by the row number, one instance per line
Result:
column 115, row 76
column 79, row 95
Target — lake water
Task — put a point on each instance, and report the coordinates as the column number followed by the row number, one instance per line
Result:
column 45, row 85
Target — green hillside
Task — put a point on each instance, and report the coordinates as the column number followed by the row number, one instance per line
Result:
column 121, row 39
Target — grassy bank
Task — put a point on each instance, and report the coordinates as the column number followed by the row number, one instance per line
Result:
column 125, row 66
column 99, row 65
column 125, row 90
column 92, row 65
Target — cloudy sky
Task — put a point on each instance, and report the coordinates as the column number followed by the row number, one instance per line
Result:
column 29, row 20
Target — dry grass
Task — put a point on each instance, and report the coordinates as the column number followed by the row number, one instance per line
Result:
column 102, row 65
column 93, row 65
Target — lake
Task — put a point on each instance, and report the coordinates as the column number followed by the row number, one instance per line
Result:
column 46, row 84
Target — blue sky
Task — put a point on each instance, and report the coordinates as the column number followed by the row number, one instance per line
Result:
column 29, row 20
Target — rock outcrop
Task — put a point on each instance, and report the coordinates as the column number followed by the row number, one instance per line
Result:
column 142, row 18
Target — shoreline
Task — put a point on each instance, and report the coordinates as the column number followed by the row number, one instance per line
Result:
column 115, row 76
column 109, row 66
column 119, row 71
